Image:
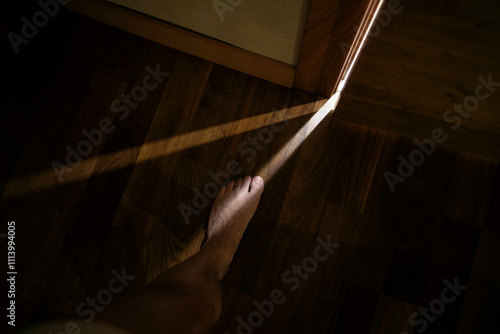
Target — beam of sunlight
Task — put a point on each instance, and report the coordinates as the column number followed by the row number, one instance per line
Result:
column 268, row 170
column 362, row 36
column 30, row 184
column 281, row 157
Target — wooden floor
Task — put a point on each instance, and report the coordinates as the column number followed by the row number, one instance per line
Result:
column 119, row 208
column 426, row 60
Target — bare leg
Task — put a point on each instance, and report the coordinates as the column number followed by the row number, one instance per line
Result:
column 187, row 298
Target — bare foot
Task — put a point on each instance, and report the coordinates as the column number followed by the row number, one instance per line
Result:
column 232, row 210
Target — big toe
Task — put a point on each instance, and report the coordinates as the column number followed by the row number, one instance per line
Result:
column 257, row 185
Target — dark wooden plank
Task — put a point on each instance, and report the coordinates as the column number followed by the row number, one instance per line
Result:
column 423, row 63
column 146, row 200
column 480, row 307
column 392, row 316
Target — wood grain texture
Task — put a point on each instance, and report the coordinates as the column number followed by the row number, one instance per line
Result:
column 392, row 316
column 334, row 34
column 424, row 62
column 484, row 283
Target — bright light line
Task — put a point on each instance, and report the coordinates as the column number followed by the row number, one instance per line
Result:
column 281, row 157
column 29, row 184
column 348, row 73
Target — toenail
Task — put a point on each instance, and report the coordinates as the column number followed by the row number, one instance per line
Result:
column 259, row 180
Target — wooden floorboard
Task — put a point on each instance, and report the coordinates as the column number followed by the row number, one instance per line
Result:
column 432, row 55
column 484, row 283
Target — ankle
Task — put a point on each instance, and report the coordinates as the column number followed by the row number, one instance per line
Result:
column 216, row 261
column 211, row 261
